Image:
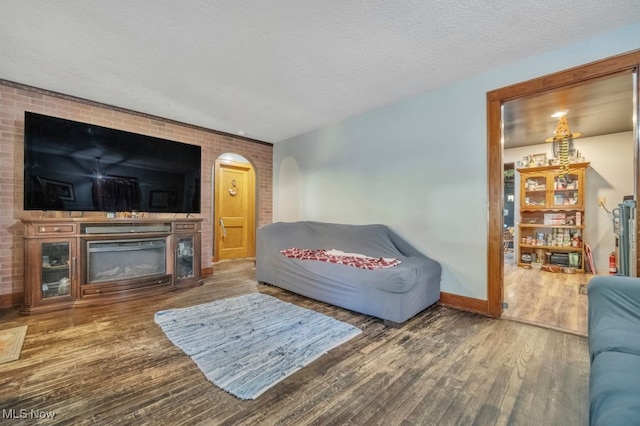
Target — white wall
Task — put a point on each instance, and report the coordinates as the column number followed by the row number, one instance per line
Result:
column 290, row 191
column 610, row 175
column 420, row 165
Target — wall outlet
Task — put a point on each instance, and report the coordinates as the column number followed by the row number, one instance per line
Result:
column 602, row 201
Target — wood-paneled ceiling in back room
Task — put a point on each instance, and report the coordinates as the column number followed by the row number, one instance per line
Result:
column 596, row 108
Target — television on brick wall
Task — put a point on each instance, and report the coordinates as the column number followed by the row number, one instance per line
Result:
column 74, row 166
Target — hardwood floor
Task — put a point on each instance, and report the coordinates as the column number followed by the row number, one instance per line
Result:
column 546, row 298
column 113, row 365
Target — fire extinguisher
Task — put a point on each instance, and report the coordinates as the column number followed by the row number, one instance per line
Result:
column 612, row 263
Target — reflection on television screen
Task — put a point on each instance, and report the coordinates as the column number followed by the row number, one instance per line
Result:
column 73, row 166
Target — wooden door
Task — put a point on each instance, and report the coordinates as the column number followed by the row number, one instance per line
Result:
column 234, row 236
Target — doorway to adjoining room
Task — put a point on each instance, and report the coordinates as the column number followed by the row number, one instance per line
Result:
column 234, row 208
column 562, row 231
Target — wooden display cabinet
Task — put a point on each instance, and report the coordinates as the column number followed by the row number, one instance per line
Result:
column 552, row 216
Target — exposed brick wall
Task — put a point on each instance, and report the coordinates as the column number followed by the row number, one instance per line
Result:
column 15, row 100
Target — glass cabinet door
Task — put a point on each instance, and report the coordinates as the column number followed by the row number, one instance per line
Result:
column 56, row 280
column 535, row 191
column 184, row 257
column 565, row 190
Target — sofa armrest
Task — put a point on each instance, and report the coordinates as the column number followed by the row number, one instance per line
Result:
column 623, row 292
column 614, row 315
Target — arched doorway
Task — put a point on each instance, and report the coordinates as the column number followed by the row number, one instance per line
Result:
column 234, row 198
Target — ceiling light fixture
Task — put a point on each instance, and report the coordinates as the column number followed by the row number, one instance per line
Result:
column 97, row 172
column 559, row 114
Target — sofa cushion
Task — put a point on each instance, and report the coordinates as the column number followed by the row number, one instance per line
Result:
column 614, row 390
column 614, row 315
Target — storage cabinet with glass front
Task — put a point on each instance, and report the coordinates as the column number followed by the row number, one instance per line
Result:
column 552, row 218
column 187, row 240
column 50, row 282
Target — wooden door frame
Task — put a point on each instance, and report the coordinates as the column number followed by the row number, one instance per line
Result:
column 627, row 62
column 251, row 209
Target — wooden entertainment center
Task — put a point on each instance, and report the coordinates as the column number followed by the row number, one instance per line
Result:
column 88, row 261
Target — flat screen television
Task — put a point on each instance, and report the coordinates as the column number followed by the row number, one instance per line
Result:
column 74, row 166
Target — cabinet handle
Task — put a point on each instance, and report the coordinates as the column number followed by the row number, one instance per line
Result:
column 56, row 229
column 73, row 267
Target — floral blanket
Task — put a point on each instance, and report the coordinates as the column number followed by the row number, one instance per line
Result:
column 336, row 256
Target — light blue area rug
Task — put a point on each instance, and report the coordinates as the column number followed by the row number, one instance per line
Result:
column 247, row 344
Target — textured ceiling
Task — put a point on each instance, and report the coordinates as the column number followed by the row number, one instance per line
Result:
column 278, row 68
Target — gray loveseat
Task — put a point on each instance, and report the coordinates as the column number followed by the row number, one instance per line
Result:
column 614, row 350
column 393, row 294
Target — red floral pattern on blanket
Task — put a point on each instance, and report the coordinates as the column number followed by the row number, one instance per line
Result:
column 359, row 261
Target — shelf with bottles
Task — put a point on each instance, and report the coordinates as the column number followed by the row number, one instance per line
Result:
column 564, row 238
column 557, row 246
